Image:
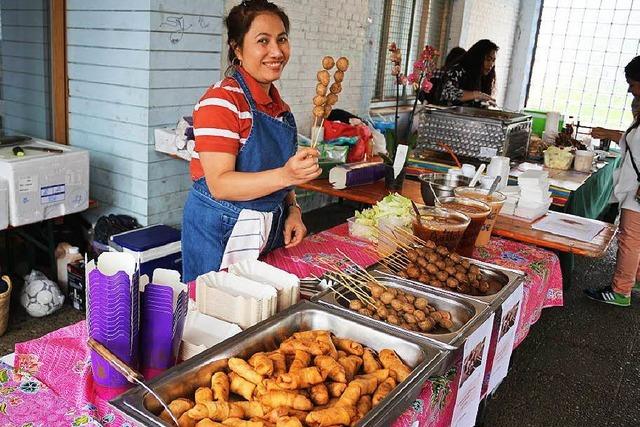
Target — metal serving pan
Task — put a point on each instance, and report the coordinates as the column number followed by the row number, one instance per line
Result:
column 508, row 279
column 466, row 314
column 183, row 379
column 484, row 113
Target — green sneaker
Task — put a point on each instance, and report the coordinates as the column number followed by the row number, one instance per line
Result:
column 636, row 287
column 608, row 296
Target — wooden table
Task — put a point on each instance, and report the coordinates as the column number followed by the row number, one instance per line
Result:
column 510, row 227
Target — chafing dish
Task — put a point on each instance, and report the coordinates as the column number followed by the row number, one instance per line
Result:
column 507, row 278
column 466, row 314
column 183, row 379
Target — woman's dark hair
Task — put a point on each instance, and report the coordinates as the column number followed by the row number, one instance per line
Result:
column 632, row 72
column 239, row 20
column 473, row 61
column 453, row 57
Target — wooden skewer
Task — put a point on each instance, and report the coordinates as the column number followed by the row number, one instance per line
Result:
column 413, row 237
column 393, row 239
column 314, row 142
column 392, row 266
column 399, row 264
column 359, row 293
column 364, row 271
column 401, row 253
column 344, row 279
column 396, row 264
column 337, row 292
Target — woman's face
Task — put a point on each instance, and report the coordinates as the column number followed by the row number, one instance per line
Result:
column 634, row 87
column 489, row 62
column 265, row 49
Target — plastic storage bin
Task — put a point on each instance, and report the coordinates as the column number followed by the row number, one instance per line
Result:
column 44, row 184
column 157, row 246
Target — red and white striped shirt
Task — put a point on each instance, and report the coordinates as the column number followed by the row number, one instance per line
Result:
column 222, row 118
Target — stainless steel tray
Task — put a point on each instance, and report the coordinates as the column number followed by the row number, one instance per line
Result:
column 466, row 314
column 183, row 379
column 509, row 279
column 484, row 113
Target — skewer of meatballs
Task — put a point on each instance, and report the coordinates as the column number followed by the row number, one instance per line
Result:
column 323, row 102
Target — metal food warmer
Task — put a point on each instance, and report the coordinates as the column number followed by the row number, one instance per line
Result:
column 473, row 132
column 466, row 314
column 182, row 380
column 508, row 280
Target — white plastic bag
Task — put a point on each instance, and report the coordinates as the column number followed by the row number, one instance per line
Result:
column 40, row 296
column 379, row 142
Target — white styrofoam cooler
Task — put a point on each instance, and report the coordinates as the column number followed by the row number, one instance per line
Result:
column 44, row 185
column 4, row 204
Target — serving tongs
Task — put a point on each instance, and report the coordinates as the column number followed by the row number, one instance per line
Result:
column 133, row 376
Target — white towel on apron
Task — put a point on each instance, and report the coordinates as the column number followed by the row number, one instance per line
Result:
column 248, row 237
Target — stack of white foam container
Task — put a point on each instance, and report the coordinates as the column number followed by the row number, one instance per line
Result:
column 535, row 197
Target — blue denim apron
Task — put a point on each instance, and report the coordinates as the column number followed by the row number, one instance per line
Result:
column 207, row 222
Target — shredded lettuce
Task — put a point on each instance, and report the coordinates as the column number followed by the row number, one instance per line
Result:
column 393, row 205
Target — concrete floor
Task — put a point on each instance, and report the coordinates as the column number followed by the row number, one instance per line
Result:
column 578, row 366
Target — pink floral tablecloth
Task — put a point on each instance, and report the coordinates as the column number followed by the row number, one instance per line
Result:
column 542, row 288
column 51, row 384
column 59, row 367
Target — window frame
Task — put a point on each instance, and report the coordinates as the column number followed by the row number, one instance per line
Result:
column 418, row 25
column 58, row 79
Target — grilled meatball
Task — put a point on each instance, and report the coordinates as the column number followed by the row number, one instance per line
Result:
column 421, row 303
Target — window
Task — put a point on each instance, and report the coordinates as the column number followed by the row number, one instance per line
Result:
column 410, row 24
column 581, row 51
column 32, row 64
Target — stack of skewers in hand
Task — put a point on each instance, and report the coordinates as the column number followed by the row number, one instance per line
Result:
column 434, row 265
column 368, row 296
column 323, row 102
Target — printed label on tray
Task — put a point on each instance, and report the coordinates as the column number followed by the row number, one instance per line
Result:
column 52, row 193
column 474, row 360
column 488, row 152
column 509, row 318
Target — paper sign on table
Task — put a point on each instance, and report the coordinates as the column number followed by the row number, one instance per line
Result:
column 398, row 162
column 509, row 317
column 574, row 227
column 474, row 360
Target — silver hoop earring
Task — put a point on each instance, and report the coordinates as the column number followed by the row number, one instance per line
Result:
column 236, row 62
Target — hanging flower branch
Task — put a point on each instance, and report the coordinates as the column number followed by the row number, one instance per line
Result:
column 420, row 79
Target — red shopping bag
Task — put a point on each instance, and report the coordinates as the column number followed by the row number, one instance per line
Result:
column 336, row 129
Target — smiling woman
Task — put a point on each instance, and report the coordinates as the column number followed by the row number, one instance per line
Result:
column 242, row 201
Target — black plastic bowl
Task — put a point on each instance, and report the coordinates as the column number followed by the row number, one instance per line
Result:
column 442, row 183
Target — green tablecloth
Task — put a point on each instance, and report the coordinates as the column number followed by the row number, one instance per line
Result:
column 592, row 198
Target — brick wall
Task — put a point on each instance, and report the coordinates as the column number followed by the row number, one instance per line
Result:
column 326, row 27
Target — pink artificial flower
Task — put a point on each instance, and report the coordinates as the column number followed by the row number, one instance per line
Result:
column 427, row 85
column 413, row 78
column 403, row 80
column 395, row 70
column 418, row 65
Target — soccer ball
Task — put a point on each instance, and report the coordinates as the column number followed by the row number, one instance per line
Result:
column 41, row 297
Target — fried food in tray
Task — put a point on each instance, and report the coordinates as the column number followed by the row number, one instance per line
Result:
column 313, row 379
column 438, row 267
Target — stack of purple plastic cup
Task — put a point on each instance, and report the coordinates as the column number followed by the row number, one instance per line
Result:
column 162, row 326
column 113, row 318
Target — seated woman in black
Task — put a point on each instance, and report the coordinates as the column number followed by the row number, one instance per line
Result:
column 472, row 80
column 438, row 79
